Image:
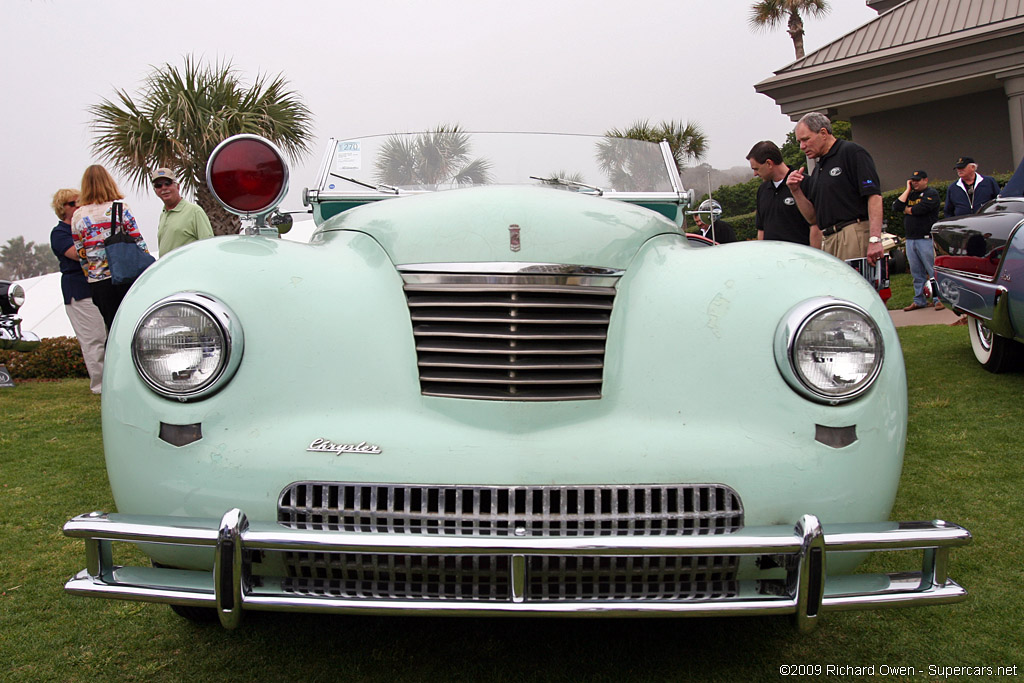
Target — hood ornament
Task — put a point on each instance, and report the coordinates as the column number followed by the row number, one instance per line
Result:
column 513, row 237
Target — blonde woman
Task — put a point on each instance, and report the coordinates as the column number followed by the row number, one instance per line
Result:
column 84, row 316
column 90, row 225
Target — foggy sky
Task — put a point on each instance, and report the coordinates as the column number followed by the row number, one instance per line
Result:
column 389, row 65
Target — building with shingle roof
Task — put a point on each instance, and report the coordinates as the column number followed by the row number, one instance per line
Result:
column 923, row 83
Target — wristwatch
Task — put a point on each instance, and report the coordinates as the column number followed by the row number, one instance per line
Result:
column 874, row 240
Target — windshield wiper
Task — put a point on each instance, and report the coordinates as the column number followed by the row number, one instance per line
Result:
column 379, row 188
column 568, row 183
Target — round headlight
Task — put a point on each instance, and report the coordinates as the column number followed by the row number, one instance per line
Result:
column 187, row 346
column 828, row 350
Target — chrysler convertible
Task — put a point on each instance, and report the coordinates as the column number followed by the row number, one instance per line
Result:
column 500, row 379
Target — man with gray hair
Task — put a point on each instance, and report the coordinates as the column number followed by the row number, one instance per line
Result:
column 971, row 191
column 845, row 197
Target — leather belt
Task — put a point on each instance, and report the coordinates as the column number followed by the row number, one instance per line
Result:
column 840, row 225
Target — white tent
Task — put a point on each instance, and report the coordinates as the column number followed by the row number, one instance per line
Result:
column 43, row 312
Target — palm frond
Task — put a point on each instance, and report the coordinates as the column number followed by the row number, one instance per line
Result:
column 182, row 113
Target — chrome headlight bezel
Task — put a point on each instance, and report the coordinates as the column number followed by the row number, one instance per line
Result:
column 226, row 324
column 788, row 333
column 12, row 297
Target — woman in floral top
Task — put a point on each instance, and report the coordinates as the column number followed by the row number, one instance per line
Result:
column 89, row 227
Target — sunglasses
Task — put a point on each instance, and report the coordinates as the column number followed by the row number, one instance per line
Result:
column 162, row 183
column 71, row 203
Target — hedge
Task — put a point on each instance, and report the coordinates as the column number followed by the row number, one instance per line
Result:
column 54, row 358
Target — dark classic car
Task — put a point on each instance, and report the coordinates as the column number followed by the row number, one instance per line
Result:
column 489, row 387
column 979, row 271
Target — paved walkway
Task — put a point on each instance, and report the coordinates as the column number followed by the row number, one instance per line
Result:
column 923, row 316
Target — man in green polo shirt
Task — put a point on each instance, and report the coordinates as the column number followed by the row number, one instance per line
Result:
column 181, row 221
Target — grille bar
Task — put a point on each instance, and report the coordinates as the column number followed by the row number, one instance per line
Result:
column 509, row 362
column 458, row 316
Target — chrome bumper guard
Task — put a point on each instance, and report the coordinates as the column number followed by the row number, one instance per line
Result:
column 228, row 589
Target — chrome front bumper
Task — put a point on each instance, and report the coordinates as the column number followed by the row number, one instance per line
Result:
column 801, row 550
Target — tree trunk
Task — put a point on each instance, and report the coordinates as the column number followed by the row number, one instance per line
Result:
column 223, row 222
column 796, row 32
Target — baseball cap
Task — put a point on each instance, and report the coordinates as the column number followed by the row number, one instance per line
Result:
column 962, row 162
column 163, row 172
column 919, row 175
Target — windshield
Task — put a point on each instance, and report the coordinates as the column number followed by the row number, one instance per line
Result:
column 450, row 158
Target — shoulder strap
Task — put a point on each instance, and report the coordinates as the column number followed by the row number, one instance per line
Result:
column 116, row 217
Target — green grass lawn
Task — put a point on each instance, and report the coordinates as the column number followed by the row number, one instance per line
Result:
column 963, row 463
column 902, row 287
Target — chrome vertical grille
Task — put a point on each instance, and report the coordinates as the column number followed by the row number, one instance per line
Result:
column 649, row 510
column 662, row 509
column 511, row 337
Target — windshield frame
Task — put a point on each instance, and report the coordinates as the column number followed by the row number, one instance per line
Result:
column 358, row 193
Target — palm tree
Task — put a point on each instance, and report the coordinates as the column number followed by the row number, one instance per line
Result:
column 768, row 14
column 437, row 157
column 628, row 171
column 181, row 115
column 20, row 260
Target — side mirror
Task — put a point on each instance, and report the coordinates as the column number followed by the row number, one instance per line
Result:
column 281, row 221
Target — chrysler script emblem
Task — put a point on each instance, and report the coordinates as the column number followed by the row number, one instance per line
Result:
column 513, row 237
column 325, row 446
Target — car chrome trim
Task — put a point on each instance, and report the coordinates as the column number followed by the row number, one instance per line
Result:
column 229, row 569
column 230, row 328
column 978, row 297
column 965, row 274
column 508, row 267
column 324, row 196
column 810, row 574
column 804, row 548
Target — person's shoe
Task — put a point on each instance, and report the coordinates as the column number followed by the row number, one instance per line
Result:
column 938, row 305
column 962, row 320
column 913, row 307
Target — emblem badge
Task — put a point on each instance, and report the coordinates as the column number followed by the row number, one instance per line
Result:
column 835, row 172
column 325, row 446
column 789, row 201
column 513, row 237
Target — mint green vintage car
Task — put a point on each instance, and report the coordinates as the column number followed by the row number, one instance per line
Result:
column 501, row 380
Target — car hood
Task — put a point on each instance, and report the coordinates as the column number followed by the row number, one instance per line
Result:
column 503, row 224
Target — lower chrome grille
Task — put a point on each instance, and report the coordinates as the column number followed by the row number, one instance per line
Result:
column 512, row 337
column 545, row 510
column 489, row 578
column 650, row 510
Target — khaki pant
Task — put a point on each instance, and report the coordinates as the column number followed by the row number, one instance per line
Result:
column 92, row 337
column 850, row 242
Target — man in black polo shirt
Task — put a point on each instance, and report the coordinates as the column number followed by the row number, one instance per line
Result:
column 845, row 199
column 778, row 217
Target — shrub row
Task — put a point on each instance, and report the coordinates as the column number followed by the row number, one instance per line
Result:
column 54, row 358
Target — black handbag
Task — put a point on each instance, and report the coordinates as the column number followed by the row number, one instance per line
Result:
column 125, row 257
